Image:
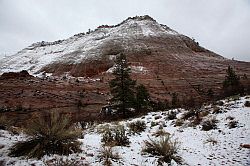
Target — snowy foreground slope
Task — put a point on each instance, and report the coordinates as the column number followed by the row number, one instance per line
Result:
column 195, row 147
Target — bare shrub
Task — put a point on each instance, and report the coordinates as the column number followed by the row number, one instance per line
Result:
column 172, row 115
column 209, row 124
column 230, row 118
column 232, row 124
column 160, row 132
column 115, row 136
column 137, row 126
column 179, row 122
column 153, row 124
column 247, row 104
column 107, row 154
column 188, row 114
column 211, row 140
column 164, row 148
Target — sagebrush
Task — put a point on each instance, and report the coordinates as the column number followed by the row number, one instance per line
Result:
column 115, row 136
column 164, row 148
column 51, row 134
column 137, row 126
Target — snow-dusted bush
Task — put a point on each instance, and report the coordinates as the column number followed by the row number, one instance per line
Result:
column 164, row 148
column 210, row 123
column 179, row 122
column 211, row 140
column 232, row 124
column 188, row 114
column 115, row 136
column 172, row 115
column 247, row 104
column 137, row 126
column 160, row 132
column 107, row 154
column 52, row 134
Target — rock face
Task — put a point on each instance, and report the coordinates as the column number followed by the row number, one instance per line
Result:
column 165, row 61
column 15, row 75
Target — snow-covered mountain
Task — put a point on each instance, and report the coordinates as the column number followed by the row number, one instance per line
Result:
column 90, row 46
column 162, row 59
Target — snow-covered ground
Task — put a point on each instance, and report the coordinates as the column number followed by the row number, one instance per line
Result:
column 195, row 147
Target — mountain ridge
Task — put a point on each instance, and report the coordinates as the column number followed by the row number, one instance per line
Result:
column 37, row 58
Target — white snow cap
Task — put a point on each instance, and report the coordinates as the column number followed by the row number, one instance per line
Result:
column 82, row 46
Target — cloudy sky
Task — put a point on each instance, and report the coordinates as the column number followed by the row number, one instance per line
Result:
column 219, row 25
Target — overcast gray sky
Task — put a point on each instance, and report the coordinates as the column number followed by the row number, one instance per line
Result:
column 219, row 25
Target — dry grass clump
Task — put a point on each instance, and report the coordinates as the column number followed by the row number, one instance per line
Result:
column 115, row 136
column 209, row 124
column 51, row 134
column 164, row 148
column 211, row 140
column 107, row 154
column 137, row 126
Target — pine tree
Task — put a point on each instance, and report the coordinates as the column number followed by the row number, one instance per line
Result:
column 231, row 78
column 231, row 84
column 122, row 87
column 142, row 97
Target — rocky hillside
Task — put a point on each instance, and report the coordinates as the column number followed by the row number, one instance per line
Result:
column 162, row 59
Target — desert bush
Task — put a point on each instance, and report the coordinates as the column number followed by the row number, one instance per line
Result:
column 179, row 122
column 107, row 154
column 209, row 124
column 233, row 98
column 158, row 117
column 115, row 136
column 220, row 103
column 232, row 124
column 160, row 132
column 153, row 124
column 247, row 104
column 172, row 115
column 188, row 114
column 61, row 161
column 86, row 124
column 216, row 110
column 203, row 113
column 230, row 118
column 137, row 126
column 164, row 148
column 51, row 134
column 196, row 121
column 210, row 140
